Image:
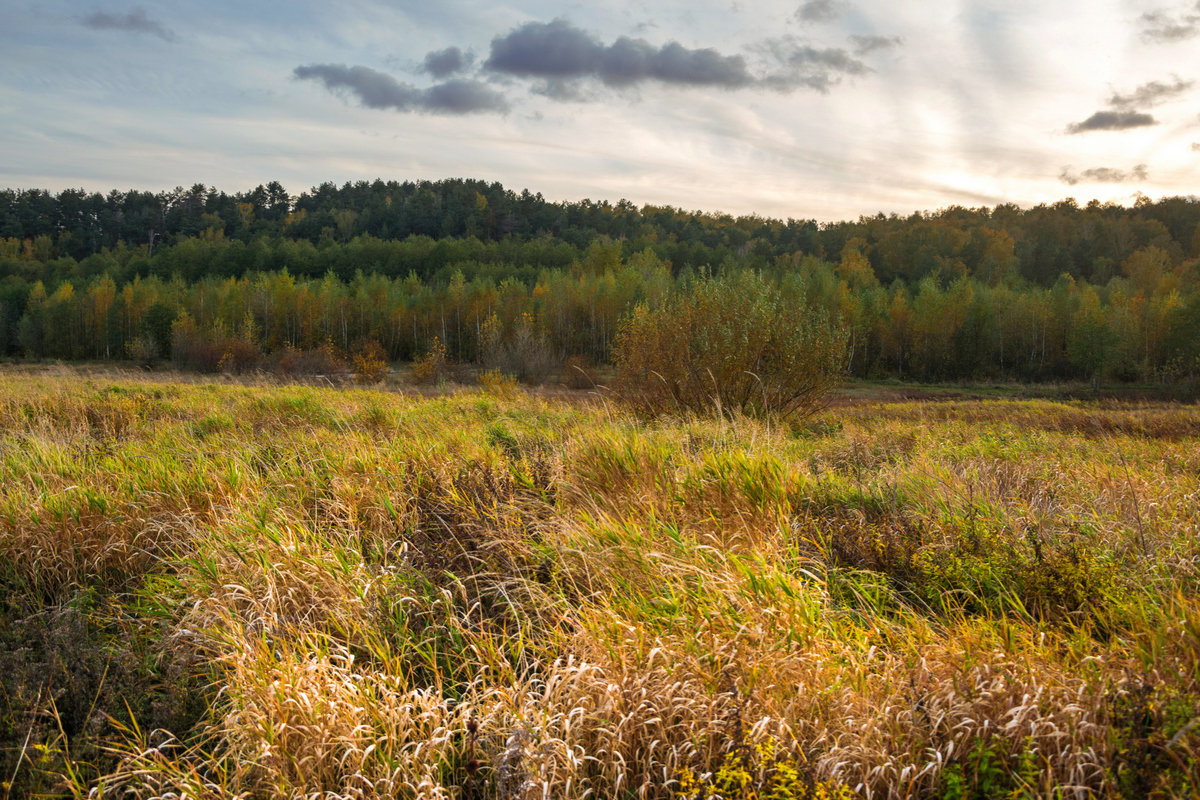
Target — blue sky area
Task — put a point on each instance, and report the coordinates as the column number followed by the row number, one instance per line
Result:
column 824, row 109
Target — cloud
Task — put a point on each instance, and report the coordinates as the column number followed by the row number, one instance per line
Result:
column 814, row 11
column 561, row 57
column 799, row 64
column 1124, row 114
column 1162, row 26
column 557, row 51
column 1103, row 175
column 442, row 63
column 864, row 45
column 136, row 21
column 1112, row 121
column 462, row 97
column 546, row 50
column 563, row 91
column 1150, row 94
column 376, row 89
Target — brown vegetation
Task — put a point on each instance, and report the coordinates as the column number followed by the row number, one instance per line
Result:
column 223, row 591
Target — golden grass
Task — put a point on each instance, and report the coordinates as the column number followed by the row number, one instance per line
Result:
column 301, row 592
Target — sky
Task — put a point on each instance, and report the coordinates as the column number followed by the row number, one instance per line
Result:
column 806, row 109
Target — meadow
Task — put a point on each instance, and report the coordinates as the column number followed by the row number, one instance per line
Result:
column 214, row 590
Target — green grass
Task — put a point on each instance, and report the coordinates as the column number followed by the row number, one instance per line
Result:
column 229, row 591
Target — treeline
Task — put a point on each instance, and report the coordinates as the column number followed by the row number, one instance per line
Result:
column 1141, row 325
column 213, row 280
column 1036, row 245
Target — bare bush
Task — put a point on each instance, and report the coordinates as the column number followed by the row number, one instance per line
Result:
column 323, row 360
column 733, row 342
column 213, row 350
column 524, row 352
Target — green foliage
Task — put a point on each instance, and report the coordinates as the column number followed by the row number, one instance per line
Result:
column 157, row 326
column 731, row 343
column 143, row 350
column 989, row 574
column 1092, row 339
column 1151, row 721
column 984, row 773
column 1055, row 292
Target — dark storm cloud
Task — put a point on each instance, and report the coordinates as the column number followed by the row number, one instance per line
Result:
column 1112, row 121
column 442, row 63
column 818, row 11
column 557, row 51
column 1150, row 94
column 864, row 45
column 1165, row 26
column 136, row 21
column 376, row 89
column 1103, row 175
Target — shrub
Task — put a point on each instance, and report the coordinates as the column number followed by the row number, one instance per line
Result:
column 733, row 342
column 495, row 382
column 370, row 363
column 525, row 352
column 432, row 366
column 213, row 349
column 193, row 348
column 324, row 360
column 185, row 338
column 240, row 355
column 143, row 350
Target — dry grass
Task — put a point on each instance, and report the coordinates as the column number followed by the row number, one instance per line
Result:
column 230, row 591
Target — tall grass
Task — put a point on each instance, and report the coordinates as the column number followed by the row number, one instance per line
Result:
column 222, row 591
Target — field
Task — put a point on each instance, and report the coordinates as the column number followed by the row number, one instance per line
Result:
column 216, row 590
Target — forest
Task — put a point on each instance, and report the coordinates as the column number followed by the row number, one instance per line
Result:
column 218, row 281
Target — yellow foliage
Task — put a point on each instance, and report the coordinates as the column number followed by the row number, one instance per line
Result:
column 495, row 382
column 432, row 365
column 370, row 363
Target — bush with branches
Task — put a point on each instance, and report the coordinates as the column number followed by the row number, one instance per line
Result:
column 324, row 361
column 524, row 352
column 370, row 363
column 733, row 342
column 215, row 348
column 433, row 366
